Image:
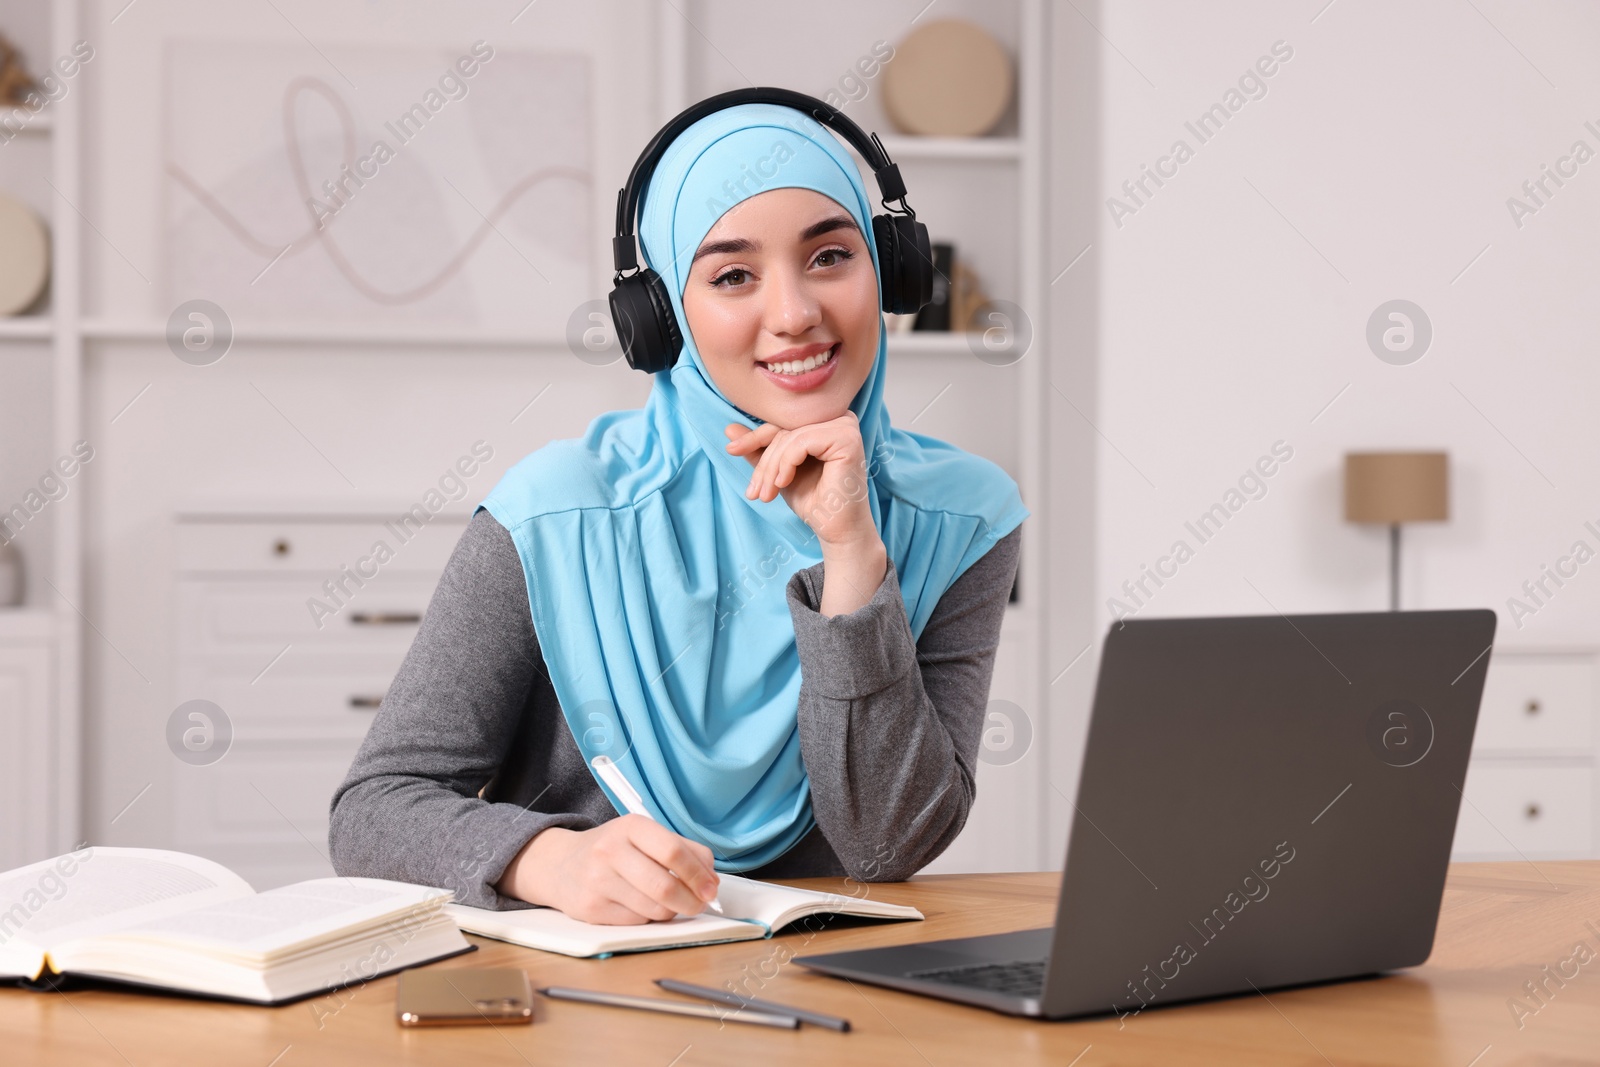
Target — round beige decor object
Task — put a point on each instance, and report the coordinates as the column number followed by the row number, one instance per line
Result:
column 24, row 256
column 947, row 79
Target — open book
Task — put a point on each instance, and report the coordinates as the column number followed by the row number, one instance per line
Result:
column 752, row 910
column 175, row 921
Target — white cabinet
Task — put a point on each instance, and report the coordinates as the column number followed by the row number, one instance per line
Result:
column 293, row 629
column 27, row 738
column 1530, row 788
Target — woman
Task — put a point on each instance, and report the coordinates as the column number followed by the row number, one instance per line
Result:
column 773, row 610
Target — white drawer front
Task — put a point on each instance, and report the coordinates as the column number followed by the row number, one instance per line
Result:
column 1537, row 703
column 293, row 707
column 230, row 616
column 285, row 546
column 1539, row 811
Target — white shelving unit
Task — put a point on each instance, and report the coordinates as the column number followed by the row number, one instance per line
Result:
column 1006, row 830
column 41, row 643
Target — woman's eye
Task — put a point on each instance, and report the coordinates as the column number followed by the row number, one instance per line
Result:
column 725, row 275
column 839, row 256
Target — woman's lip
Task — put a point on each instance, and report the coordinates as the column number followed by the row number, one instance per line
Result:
column 812, row 378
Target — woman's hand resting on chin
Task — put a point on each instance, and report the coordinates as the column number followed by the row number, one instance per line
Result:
column 821, row 471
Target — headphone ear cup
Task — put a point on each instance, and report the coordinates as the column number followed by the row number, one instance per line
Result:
column 646, row 326
column 906, row 259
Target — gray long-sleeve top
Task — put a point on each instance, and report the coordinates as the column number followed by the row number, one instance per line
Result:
column 469, row 755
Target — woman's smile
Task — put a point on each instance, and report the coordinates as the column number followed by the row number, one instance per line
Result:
column 800, row 374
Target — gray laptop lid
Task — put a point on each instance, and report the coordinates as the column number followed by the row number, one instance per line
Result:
column 1264, row 801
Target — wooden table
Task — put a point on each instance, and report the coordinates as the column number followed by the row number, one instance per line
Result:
column 1502, row 924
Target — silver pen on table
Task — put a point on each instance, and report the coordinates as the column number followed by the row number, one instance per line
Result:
column 607, row 769
column 671, row 1007
column 723, row 996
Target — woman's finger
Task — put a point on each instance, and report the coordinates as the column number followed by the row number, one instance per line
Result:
column 619, row 888
column 818, row 442
column 690, row 862
column 661, row 885
column 749, row 439
column 764, row 466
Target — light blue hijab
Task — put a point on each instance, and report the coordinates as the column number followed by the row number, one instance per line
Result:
column 657, row 589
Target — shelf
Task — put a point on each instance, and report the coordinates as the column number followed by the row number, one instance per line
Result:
column 909, row 343
column 26, row 327
column 419, row 337
column 902, row 147
column 26, row 624
column 21, row 121
column 930, row 343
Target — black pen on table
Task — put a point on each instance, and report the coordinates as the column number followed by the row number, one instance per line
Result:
column 723, row 996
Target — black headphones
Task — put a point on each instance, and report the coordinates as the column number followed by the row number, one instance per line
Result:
column 641, row 309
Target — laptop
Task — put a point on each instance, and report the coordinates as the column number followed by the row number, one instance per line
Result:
column 1265, row 801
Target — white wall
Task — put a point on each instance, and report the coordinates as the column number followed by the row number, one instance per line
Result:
column 1229, row 310
column 1234, row 303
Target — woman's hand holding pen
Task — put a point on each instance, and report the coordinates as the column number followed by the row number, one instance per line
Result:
column 620, row 873
column 821, row 471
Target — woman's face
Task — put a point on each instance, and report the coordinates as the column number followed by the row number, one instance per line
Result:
column 785, row 277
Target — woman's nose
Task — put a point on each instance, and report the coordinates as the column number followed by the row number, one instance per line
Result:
column 792, row 308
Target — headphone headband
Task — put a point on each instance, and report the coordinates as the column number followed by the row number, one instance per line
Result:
column 885, row 170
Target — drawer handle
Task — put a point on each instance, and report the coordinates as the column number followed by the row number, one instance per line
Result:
column 1532, row 811
column 280, row 547
column 1532, row 707
column 363, row 703
column 380, row 618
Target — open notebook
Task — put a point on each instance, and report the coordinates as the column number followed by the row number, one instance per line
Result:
column 175, row 921
column 752, row 910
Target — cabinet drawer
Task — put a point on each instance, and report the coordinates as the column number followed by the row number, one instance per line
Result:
column 321, row 548
column 293, row 707
column 231, row 616
column 255, row 795
column 1537, row 811
column 1537, row 703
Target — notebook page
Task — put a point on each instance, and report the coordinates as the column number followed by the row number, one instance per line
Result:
column 775, row 906
column 555, row 931
column 98, row 889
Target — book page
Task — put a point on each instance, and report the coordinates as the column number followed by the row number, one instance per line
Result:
column 285, row 921
column 100, row 888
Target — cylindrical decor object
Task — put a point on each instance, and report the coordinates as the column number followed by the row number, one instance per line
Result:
column 948, row 78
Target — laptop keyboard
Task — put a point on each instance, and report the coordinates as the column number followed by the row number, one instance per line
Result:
column 1022, row 978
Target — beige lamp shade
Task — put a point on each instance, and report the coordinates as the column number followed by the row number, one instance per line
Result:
column 1391, row 487
column 949, row 78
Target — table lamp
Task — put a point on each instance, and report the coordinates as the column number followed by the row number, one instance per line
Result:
column 1393, row 488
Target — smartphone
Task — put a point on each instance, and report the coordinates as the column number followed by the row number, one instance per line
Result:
column 453, row 996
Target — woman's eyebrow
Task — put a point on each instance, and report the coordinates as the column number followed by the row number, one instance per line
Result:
column 715, row 248
column 828, row 225
column 744, row 244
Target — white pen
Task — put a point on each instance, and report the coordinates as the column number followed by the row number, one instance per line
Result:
column 606, row 769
